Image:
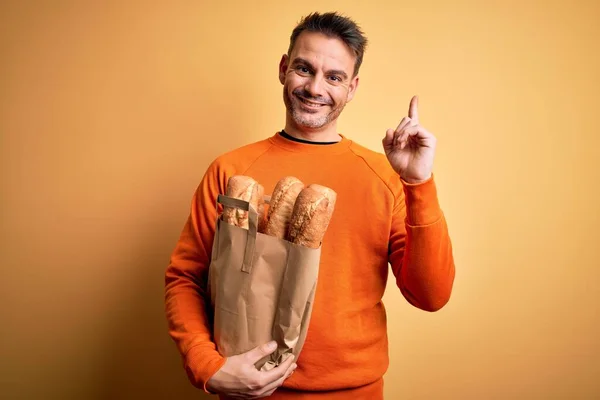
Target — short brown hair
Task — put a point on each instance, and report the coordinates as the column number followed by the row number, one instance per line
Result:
column 332, row 24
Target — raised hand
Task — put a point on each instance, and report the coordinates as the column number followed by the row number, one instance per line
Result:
column 239, row 378
column 410, row 148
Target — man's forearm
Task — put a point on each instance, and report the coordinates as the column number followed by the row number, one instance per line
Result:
column 426, row 275
column 190, row 328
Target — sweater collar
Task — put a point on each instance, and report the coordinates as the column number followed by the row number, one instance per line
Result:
column 291, row 145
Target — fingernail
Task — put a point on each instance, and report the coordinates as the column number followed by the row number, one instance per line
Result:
column 272, row 345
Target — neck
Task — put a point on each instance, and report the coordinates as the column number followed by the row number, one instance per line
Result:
column 327, row 133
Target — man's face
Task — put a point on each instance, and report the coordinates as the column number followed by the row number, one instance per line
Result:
column 317, row 79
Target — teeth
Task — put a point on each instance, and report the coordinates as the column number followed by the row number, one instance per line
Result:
column 311, row 103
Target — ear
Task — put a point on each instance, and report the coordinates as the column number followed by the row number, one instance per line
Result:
column 283, row 66
column 352, row 88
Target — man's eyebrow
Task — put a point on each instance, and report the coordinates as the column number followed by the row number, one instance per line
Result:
column 338, row 72
column 300, row 60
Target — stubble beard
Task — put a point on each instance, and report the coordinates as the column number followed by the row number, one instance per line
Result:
column 304, row 119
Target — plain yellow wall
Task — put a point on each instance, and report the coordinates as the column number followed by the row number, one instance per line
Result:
column 110, row 113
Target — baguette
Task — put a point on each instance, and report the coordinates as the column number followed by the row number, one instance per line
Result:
column 310, row 219
column 243, row 188
column 281, row 206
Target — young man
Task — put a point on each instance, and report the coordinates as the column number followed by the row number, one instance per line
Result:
column 387, row 211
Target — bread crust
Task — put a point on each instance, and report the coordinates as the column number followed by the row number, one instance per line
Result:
column 281, row 206
column 244, row 188
column 310, row 218
column 327, row 192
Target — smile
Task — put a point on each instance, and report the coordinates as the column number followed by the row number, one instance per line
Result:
column 310, row 103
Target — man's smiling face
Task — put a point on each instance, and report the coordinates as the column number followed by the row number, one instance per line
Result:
column 318, row 80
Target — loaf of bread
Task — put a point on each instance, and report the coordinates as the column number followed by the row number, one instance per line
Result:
column 310, row 218
column 243, row 188
column 281, row 206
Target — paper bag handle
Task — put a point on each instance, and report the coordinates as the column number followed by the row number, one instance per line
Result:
column 252, row 224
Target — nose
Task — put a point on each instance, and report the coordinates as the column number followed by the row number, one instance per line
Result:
column 314, row 86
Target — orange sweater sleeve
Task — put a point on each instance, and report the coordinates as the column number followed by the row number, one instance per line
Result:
column 186, row 300
column 420, row 247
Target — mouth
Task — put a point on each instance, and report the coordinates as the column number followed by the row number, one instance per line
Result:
column 310, row 104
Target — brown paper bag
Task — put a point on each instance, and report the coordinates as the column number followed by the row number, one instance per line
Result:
column 261, row 288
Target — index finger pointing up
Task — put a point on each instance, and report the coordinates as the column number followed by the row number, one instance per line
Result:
column 413, row 112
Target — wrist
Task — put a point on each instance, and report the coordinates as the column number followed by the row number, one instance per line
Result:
column 415, row 181
column 210, row 388
column 422, row 205
column 201, row 365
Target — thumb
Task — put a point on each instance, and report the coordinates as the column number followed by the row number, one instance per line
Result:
column 261, row 351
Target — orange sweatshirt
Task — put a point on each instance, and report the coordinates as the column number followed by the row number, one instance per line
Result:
column 378, row 219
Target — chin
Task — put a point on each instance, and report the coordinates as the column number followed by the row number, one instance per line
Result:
column 310, row 123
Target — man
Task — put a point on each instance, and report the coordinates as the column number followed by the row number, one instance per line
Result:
column 387, row 211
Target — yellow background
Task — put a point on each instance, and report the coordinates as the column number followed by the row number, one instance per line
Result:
column 110, row 112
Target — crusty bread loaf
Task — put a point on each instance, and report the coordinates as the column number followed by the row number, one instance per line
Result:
column 243, row 188
column 310, row 219
column 327, row 192
column 281, row 206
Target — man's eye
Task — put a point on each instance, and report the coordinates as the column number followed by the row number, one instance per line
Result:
column 335, row 78
column 304, row 70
